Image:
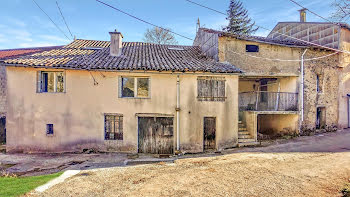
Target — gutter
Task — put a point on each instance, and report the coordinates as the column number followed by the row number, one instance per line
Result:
column 302, row 89
column 178, row 113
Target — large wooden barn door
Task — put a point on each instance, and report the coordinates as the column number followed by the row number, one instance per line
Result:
column 156, row 135
column 209, row 133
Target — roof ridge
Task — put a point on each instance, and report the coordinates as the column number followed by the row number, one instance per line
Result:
column 32, row 48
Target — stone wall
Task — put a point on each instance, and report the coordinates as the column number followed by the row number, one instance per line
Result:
column 328, row 70
column 2, row 91
column 2, row 104
column 253, row 64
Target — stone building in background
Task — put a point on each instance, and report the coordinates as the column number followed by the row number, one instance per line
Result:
column 277, row 93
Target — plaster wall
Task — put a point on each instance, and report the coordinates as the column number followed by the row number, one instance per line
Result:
column 78, row 114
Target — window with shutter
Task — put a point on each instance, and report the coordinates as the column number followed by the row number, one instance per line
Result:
column 211, row 88
column 49, row 81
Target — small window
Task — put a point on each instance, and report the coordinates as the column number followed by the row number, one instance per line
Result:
column 113, row 127
column 135, row 87
column 49, row 129
column 319, row 83
column 50, row 81
column 251, row 48
column 211, row 88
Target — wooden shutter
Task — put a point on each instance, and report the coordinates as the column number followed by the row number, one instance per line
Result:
column 38, row 89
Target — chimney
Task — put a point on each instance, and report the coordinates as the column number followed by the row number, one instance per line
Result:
column 302, row 15
column 115, row 49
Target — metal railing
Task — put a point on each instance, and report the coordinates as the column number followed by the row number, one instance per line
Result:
column 268, row 101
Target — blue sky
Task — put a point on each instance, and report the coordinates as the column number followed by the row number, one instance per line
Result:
column 23, row 24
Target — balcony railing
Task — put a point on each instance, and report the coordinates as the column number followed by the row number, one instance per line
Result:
column 268, row 101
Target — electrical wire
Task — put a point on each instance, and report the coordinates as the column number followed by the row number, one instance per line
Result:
column 208, row 39
column 325, row 47
column 51, row 20
column 65, row 22
column 314, row 13
column 137, row 18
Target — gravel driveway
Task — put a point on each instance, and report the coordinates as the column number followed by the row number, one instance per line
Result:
column 308, row 166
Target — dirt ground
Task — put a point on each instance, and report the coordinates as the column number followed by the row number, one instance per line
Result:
column 307, row 166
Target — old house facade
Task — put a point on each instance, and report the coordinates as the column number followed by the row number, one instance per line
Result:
column 273, row 99
column 5, row 54
column 121, row 96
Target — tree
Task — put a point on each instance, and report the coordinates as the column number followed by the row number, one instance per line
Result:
column 342, row 12
column 239, row 21
column 159, row 36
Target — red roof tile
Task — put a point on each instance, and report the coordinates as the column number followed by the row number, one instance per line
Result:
column 11, row 53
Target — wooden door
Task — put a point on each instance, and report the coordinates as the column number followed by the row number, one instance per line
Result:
column 209, row 133
column 156, row 135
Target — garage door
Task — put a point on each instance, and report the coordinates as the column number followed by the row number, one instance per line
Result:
column 156, row 135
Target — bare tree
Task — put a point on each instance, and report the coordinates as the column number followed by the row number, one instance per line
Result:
column 342, row 12
column 159, row 36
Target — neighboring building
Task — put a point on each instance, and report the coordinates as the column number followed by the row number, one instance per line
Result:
column 273, row 98
column 5, row 54
column 121, row 96
column 270, row 91
column 334, row 35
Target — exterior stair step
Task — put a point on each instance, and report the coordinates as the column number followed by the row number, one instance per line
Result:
column 243, row 133
column 239, row 122
column 242, row 129
column 244, row 136
column 248, row 144
column 246, row 140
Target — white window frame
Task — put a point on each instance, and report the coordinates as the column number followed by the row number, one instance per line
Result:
column 135, row 86
column 40, row 85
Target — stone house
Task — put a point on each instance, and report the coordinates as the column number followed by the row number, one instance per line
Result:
column 121, row 96
column 278, row 94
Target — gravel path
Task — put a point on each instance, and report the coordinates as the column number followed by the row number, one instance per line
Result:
column 279, row 170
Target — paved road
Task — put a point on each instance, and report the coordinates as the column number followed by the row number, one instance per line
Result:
column 307, row 166
column 327, row 142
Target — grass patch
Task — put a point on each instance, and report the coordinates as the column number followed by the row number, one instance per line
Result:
column 15, row 186
column 346, row 190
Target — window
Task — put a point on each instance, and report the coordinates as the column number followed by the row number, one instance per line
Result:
column 49, row 129
column 50, row 81
column 319, row 83
column 113, row 127
column 211, row 88
column 251, row 48
column 137, row 87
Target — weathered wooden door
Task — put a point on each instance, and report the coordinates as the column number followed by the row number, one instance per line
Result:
column 209, row 133
column 156, row 135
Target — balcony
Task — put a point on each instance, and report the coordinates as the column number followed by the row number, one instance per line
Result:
column 268, row 101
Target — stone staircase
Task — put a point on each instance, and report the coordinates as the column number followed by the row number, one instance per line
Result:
column 244, row 137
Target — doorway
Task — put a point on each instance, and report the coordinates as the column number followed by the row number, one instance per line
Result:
column 155, row 135
column 321, row 118
column 209, row 141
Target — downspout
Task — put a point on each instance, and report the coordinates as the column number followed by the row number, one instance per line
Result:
column 302, row 89
column 178, row 113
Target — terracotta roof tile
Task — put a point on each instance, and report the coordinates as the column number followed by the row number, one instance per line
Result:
column 12, row 53
column 93, row 54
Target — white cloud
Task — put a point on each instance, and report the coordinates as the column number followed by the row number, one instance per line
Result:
column 16, row 22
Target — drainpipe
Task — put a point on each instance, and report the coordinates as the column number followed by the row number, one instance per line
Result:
column 178, row 113
column 302, row 89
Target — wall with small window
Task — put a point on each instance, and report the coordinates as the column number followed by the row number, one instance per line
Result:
column 100, row 109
